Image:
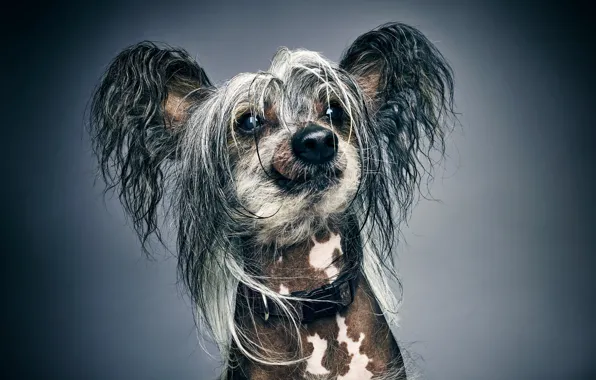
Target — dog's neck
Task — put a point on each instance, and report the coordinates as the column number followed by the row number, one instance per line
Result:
column 306, row 266
column 356, row 343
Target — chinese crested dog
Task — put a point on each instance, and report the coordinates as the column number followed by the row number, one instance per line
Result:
column 287, row 188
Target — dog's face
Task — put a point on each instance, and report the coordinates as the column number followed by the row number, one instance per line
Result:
column 292, row 137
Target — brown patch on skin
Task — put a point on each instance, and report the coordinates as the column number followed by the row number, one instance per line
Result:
column 337, row 358
column 323, row 236
column 336, row 255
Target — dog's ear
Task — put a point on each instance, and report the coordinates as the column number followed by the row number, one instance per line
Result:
column 137, row 113
column 408, row 86
column 397, row 63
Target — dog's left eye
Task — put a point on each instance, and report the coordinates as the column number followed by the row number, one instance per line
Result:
column 248, row 123
column 335, row 113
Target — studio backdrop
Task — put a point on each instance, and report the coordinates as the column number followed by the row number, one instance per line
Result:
column 497, row 269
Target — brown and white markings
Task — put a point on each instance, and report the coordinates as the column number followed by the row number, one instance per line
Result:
column 355, row 344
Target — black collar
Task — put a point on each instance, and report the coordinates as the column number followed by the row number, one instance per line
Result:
column 321, row 302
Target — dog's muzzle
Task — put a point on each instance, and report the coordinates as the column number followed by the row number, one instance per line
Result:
column 308, row 161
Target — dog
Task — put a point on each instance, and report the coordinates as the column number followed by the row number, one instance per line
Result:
column 287, row 188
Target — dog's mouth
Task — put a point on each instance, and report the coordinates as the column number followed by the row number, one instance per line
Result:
column 312, row 179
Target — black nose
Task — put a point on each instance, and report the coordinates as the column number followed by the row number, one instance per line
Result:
column 315, row 144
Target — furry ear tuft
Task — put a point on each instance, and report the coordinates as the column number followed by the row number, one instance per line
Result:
column 137, row 113
column 409, row 89
column 396, row 58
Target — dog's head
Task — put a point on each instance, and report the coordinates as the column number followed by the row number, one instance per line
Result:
column 285, row 146
column 277, row 153
column 269, row 157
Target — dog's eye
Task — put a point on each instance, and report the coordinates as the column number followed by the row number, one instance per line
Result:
column 248, row 123
column 335, row 113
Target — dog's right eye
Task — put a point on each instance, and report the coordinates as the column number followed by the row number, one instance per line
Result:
column 248, row 123
column 335, row 113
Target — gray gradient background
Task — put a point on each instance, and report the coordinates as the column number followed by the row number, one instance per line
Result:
column 498, row 276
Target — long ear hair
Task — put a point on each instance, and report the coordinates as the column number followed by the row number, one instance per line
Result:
column 408, row 89
column 137, row 114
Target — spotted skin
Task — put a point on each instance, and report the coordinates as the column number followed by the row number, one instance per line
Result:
column 355, row 344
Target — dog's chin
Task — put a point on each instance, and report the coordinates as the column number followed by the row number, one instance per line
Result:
column 294, row 208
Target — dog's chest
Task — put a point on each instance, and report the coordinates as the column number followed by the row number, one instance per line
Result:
column 355, row 344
